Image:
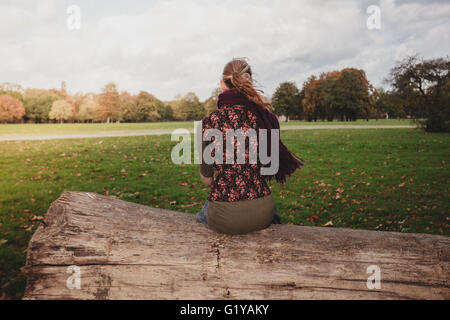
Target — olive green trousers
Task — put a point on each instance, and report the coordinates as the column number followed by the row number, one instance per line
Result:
column 241, row 216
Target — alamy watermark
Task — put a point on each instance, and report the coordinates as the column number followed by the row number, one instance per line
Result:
column 74, row 280
column 73, row 21
column 214, row 151
column 374, row 281
column 374, row 20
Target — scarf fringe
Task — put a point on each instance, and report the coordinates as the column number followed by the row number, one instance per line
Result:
column 290, row 163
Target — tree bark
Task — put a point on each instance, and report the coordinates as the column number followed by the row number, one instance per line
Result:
column 130, row 251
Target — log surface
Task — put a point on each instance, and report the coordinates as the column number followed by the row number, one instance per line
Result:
column 130, row 251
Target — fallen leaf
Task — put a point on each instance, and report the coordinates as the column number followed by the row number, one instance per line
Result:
column 191, row 205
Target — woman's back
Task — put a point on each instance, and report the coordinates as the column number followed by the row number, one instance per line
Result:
column 236, row 181
column 240, row 200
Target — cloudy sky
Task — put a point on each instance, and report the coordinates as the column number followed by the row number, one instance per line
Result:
column 177, row 46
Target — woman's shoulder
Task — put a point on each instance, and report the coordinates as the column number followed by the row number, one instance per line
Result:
column 211, row 118
column 235, row 115
column 218, row 115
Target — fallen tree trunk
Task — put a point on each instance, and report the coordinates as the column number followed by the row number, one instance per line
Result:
column 130, row 251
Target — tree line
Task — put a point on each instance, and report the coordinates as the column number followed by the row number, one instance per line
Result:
column 56, row 105
column 419, row 89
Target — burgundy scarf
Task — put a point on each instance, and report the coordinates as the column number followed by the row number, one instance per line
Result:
column 289, row 162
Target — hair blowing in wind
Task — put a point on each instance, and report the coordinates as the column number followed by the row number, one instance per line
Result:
column 237, row 75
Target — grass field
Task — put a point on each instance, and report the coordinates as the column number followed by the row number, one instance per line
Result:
column 72, row 128
column 377, row 179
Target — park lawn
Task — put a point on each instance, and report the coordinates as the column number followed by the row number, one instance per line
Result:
column 88, row 128
column 91, row 128
column 359, row 122
column 376, row 179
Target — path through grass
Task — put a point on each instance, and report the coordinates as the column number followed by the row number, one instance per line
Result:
column 78, row 128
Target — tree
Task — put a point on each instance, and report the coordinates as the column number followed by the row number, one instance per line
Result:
column 188, row 107
column 165, row 112
column 87, row 111
column 38, row 104
column 286, row 101
column 146, row 107
column 351, row 96
column 344, row 94
column 211, row 102
column 312, row 99
column 61, row 110
column 424, row 85
column 109, row 103
column 11, row 109
column 13, row 90
column 191, row 108
column 78, row 99
column 37, row 107
column 127, row 106
column 388, row 104
column 143, row 107
column 328, row 87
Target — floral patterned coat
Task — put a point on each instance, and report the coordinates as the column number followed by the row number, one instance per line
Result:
column 234, row 182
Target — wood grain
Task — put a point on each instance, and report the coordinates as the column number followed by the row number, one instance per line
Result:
column 130, row 251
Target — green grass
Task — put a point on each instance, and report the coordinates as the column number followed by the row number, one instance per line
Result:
column 384, row 179
column 371, row 122
column 73, row 128
column 68, row 128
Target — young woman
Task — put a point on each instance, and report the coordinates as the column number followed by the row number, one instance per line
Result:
column 240, row 200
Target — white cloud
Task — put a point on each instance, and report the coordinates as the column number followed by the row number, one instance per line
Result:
column 170, row 47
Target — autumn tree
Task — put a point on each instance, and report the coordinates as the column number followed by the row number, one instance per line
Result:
column 165, row 112
column 424, row 85
column 127, row 106
column 312, row 98
column 78, row 99
column 190, row 107
column 88, row 110
column 38, row 104
column 146, row 107
column 109, row 103
column 211, row 102
column 61, row 110
column 328, row 107
column 12, row 89
column 351, row 95
column 286, row 101
column 11, row 109
column 344, row 94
